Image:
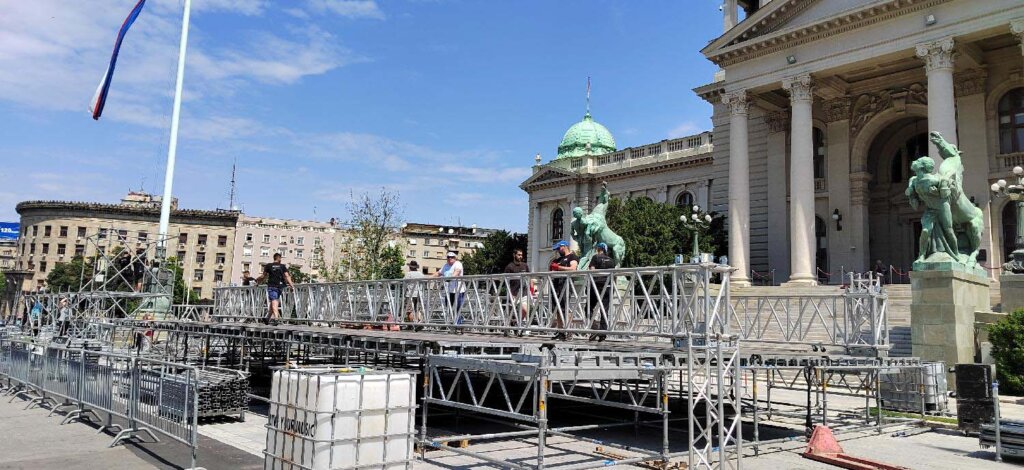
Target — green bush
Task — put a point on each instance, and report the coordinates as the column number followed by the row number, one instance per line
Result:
column 1007, row 338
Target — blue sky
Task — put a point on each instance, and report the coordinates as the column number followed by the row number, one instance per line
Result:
column 445, row 101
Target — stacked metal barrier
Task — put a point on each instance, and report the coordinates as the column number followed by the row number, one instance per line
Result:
column 149, row 395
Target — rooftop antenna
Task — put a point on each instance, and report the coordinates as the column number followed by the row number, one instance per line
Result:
column 231, row 195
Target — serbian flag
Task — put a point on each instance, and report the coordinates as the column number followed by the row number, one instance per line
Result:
column 100, row 98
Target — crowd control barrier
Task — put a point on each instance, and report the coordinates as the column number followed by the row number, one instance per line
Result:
column 151, row 396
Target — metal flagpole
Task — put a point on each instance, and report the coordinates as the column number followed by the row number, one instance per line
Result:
column 165, row 203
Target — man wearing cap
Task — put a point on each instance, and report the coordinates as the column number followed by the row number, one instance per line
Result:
column 412, row 292
column 600, row 294
column 566, row 261
column 456, row 289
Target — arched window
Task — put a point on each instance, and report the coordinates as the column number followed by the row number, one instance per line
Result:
column 557, row 220
column 819, row 153
column 912, row 149
column 1009, row 229
column 1011, row 121
column 684, row 200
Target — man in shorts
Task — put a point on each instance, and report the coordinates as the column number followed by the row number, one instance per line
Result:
column 412, row 293
column 276, row 276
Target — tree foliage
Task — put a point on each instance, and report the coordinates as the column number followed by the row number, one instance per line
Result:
column 360, row 254
column 654, row 234
column 1007, row 338
column 495, row 254
column 67, row 277
column 299, row 277
column 393, row 263
column 182, row 295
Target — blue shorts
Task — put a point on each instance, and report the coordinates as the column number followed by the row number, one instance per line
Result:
column 274, row 293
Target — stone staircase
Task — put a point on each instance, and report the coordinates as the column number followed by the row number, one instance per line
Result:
column 898, row 309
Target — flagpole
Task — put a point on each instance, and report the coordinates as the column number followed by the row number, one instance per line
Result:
column 165, row 203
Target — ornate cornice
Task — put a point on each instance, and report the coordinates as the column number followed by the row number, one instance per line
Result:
column 1017, row 29
column 90, row 209
column 776, row 121
column 970, row 82
column 784, row 39
column 712, row 92
column 867, row 105
column 738, row 102
column 837, row 109
column 800, row 88
column 937, row 55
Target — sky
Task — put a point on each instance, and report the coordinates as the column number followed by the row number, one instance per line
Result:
column 445, row 102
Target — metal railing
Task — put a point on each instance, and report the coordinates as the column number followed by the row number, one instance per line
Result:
column 150, row 395
column 666, row 301
column 192, row 312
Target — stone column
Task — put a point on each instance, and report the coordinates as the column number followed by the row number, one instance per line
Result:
column 938, row 63
column 777, row 124
column 801, row 183
column 841, row 249
column 537, row 236
column 860, row 221
column 739, row 187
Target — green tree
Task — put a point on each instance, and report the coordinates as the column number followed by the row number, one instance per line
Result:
column 654, row 234
column 372, row 228
column 298, row 276
column 392, row 263
column 1007, row 338
column 495, row 254
column 3, row 283
column 67, row 277
column 182, row 294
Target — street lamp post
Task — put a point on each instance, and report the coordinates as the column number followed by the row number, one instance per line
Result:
column 1016, row 194
column 696, row 222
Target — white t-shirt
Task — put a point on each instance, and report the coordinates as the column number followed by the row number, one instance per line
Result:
column 453, row 270
column 413, row 288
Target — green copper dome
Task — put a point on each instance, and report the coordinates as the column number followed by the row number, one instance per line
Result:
column 585, row 132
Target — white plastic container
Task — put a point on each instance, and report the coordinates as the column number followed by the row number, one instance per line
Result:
column 339, row 418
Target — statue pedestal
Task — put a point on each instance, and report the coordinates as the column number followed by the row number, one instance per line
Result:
column 942, row 315
column 1011, row 291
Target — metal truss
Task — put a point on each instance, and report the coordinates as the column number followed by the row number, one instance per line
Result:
column 522, row 389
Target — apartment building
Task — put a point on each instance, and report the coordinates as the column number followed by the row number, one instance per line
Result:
column 57, row 231
column 427, row 244
column 298, row 242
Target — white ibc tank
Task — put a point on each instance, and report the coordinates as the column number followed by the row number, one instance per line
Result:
column 337, row 418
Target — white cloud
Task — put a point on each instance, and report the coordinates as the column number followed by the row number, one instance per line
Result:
column 348, row 8
column 684, row 129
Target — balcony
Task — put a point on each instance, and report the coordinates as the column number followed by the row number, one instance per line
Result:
column 819, row 185
column 684, row 147
column 1010, row 160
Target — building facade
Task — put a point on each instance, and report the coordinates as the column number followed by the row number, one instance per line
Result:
column 676, row 171
column 56, row 231
column 298, row 242
column 820, row 106
column 428, row 244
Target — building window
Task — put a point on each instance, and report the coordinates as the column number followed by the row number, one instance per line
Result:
column 819, row 159
column 122, row 235
column 197, row 291
column 412, row 253
column 181, row 257
column 46, row 248
column 218, row 276
column 183, row 238
column 79, row 250
column 246, row 251
column 299, row 241
column 914, row 148
column 426, row 253
column 317, row 242
column 557, row 221
column 197, row 275
column 63, row 231
column 81, row 232
column 248, row 237
column 264, row 252
column 298, row 253
column 61, row 249
column 222, row 240
column 32, row 248
column 201, row 239
column 42, row 266
column 143, row 237
column 266, row 238
column 685, row 200
column 245, row 266
column 201, row 257
column 46, row 231
column 220, row 258
column 1011, row 121
column 35, row 230
column 103, row 234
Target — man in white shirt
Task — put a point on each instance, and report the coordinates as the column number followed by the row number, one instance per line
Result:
column 456, row 289
column 412, row 293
